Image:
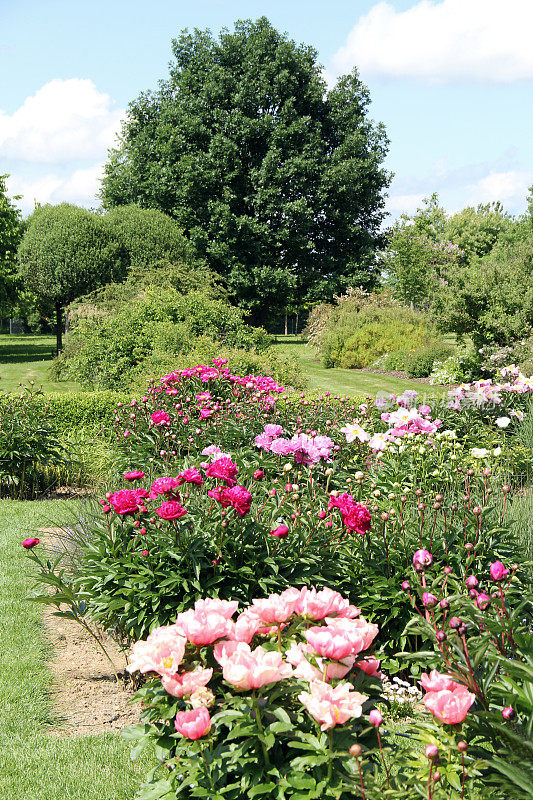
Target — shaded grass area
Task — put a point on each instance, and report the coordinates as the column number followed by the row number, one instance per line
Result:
column 28, row 358
column 347, row 381
column 33, row 764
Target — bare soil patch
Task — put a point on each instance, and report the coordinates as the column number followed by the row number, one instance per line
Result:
column 85, row 695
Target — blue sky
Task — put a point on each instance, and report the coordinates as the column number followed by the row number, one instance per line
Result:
column 451, row 80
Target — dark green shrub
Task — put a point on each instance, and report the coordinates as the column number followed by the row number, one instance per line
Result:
column 420, row 364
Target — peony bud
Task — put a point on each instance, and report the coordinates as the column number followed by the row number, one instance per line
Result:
column 462, row 746
column 429, row 600
column 432, row 752
column 355, row 750
column 498, row 571
column 280, row 532
column 471, row 582
column 455, row 623
column 375, row 718
column 508, row 713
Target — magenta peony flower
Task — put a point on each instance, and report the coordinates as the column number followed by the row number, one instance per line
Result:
column 191, row 475
column 165, row 485
column 422, row 558
column 223, row 469
column 160, row 418
column 193, row 724
column 482, row 601
column 29, row 543
column 137, row 475
column 240, row 498
column 280, row 532
column 498, row 571
column 125, row 501
column 170, row 510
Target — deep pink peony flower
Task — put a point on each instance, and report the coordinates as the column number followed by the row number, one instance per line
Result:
column 280, row 532
column 170, row 510
column 160, row 418
column 191, row 475
column 240, row 498
column 223, row 469
column 125, row 501
column 165, row 485
column 354, row 515
column 184, row 684
column 29, row 543
column 136, row 475
column 422, row 558
column 332, row 706
column 193, row 724
column 219, row 493
column 450, row 706
column 498, row 571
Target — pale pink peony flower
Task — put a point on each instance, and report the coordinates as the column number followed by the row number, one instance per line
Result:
column 436, row 681
column 246, row 626
column 247, row 669
column 296, row 655
column 326, row 602
column 184, row 684
column 332, row 706
column 193, row 724
column 161, row 652
column 203, row 627
column 275, row 608
column 450, row 706
column 226, row 608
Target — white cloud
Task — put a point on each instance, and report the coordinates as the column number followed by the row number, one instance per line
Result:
column 440, row 42
column 79, row 188
column 403, row 204
column 63, row 121
column 509, row 187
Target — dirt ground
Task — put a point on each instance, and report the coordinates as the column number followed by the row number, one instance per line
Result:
column 86, row 698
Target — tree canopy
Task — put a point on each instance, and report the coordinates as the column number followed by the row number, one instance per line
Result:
column 67, row 251
column 276, row 182
column 11, row 230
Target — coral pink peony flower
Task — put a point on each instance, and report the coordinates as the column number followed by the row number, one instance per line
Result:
column 170, row 510
column 160, row 418
column 223, row 469
column 332, row 706
column 246, row 626
column 184, row 684
column 191, row 475
column 369, row 665
column 296, row 655
column 226, row 608
column 450, row 706
column 202, row 627
column 161, row 652
column 274, row 609
column 136, row 475
column 247, row 669
column 193, row 724
column 436, row 681
column 324, row 603
column 240, row 498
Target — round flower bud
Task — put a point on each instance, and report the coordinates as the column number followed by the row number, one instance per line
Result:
column 322, row 514
column 441, row 636
column 432, row 752
column 429, row 600
column 447, row 570
column 406, row 586
column 444, row 603
column 471, row 582
column 455, row 623
column 462, row 746
column 355, row 750
column 375, row 718
column 508, row 713
column 506, row 488
column 436, row 776
column 469, row 547
column 476, row 510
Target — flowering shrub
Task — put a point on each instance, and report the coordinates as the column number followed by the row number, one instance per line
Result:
column 260, row 704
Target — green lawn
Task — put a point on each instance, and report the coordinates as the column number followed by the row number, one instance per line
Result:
column 33, row 764
column 346, row 381
column 28, row 358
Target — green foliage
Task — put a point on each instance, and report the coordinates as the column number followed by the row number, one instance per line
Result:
column 491, row 299
column 31, row 454
column 11, row 230
column 67, row 251
column 417, row 363
column 476, row 230
column 148, row 236
column 108, row 351
column 257, row 164
column 360, row 328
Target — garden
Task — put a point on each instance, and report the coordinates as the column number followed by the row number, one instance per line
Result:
column 240, row 562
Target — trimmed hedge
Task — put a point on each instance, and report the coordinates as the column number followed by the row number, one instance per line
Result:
column 74, row 411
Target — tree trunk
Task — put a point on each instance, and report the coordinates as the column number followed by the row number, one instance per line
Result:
column 59, row 327
column 296, row 325
column 285, row 323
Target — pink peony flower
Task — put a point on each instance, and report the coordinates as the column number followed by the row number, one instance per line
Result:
column 325, row 603
column 247, row 669
column 450, row 706
column 369, row 665
column 223, row 469
column 498, row 571
column 275, row 608
column 341, row 637
column 137, row 475
column 161, row 652
column 193, row 724
column 160, row 418
column 29, row 543
column 332, row 706
column 281, row 447
column 226, row 608
column 436, row 681
column 191, row 475
column 184, row 684
column 220, row 494
column 170, row 510
column 296, row 655
column 201, row 627
column 240, row 498
column 280, row 532
column 422, row 558
column 273, row 430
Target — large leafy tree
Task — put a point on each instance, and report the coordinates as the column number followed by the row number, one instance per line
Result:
column 11, row 230
column 278, row 183
column 67, row 251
